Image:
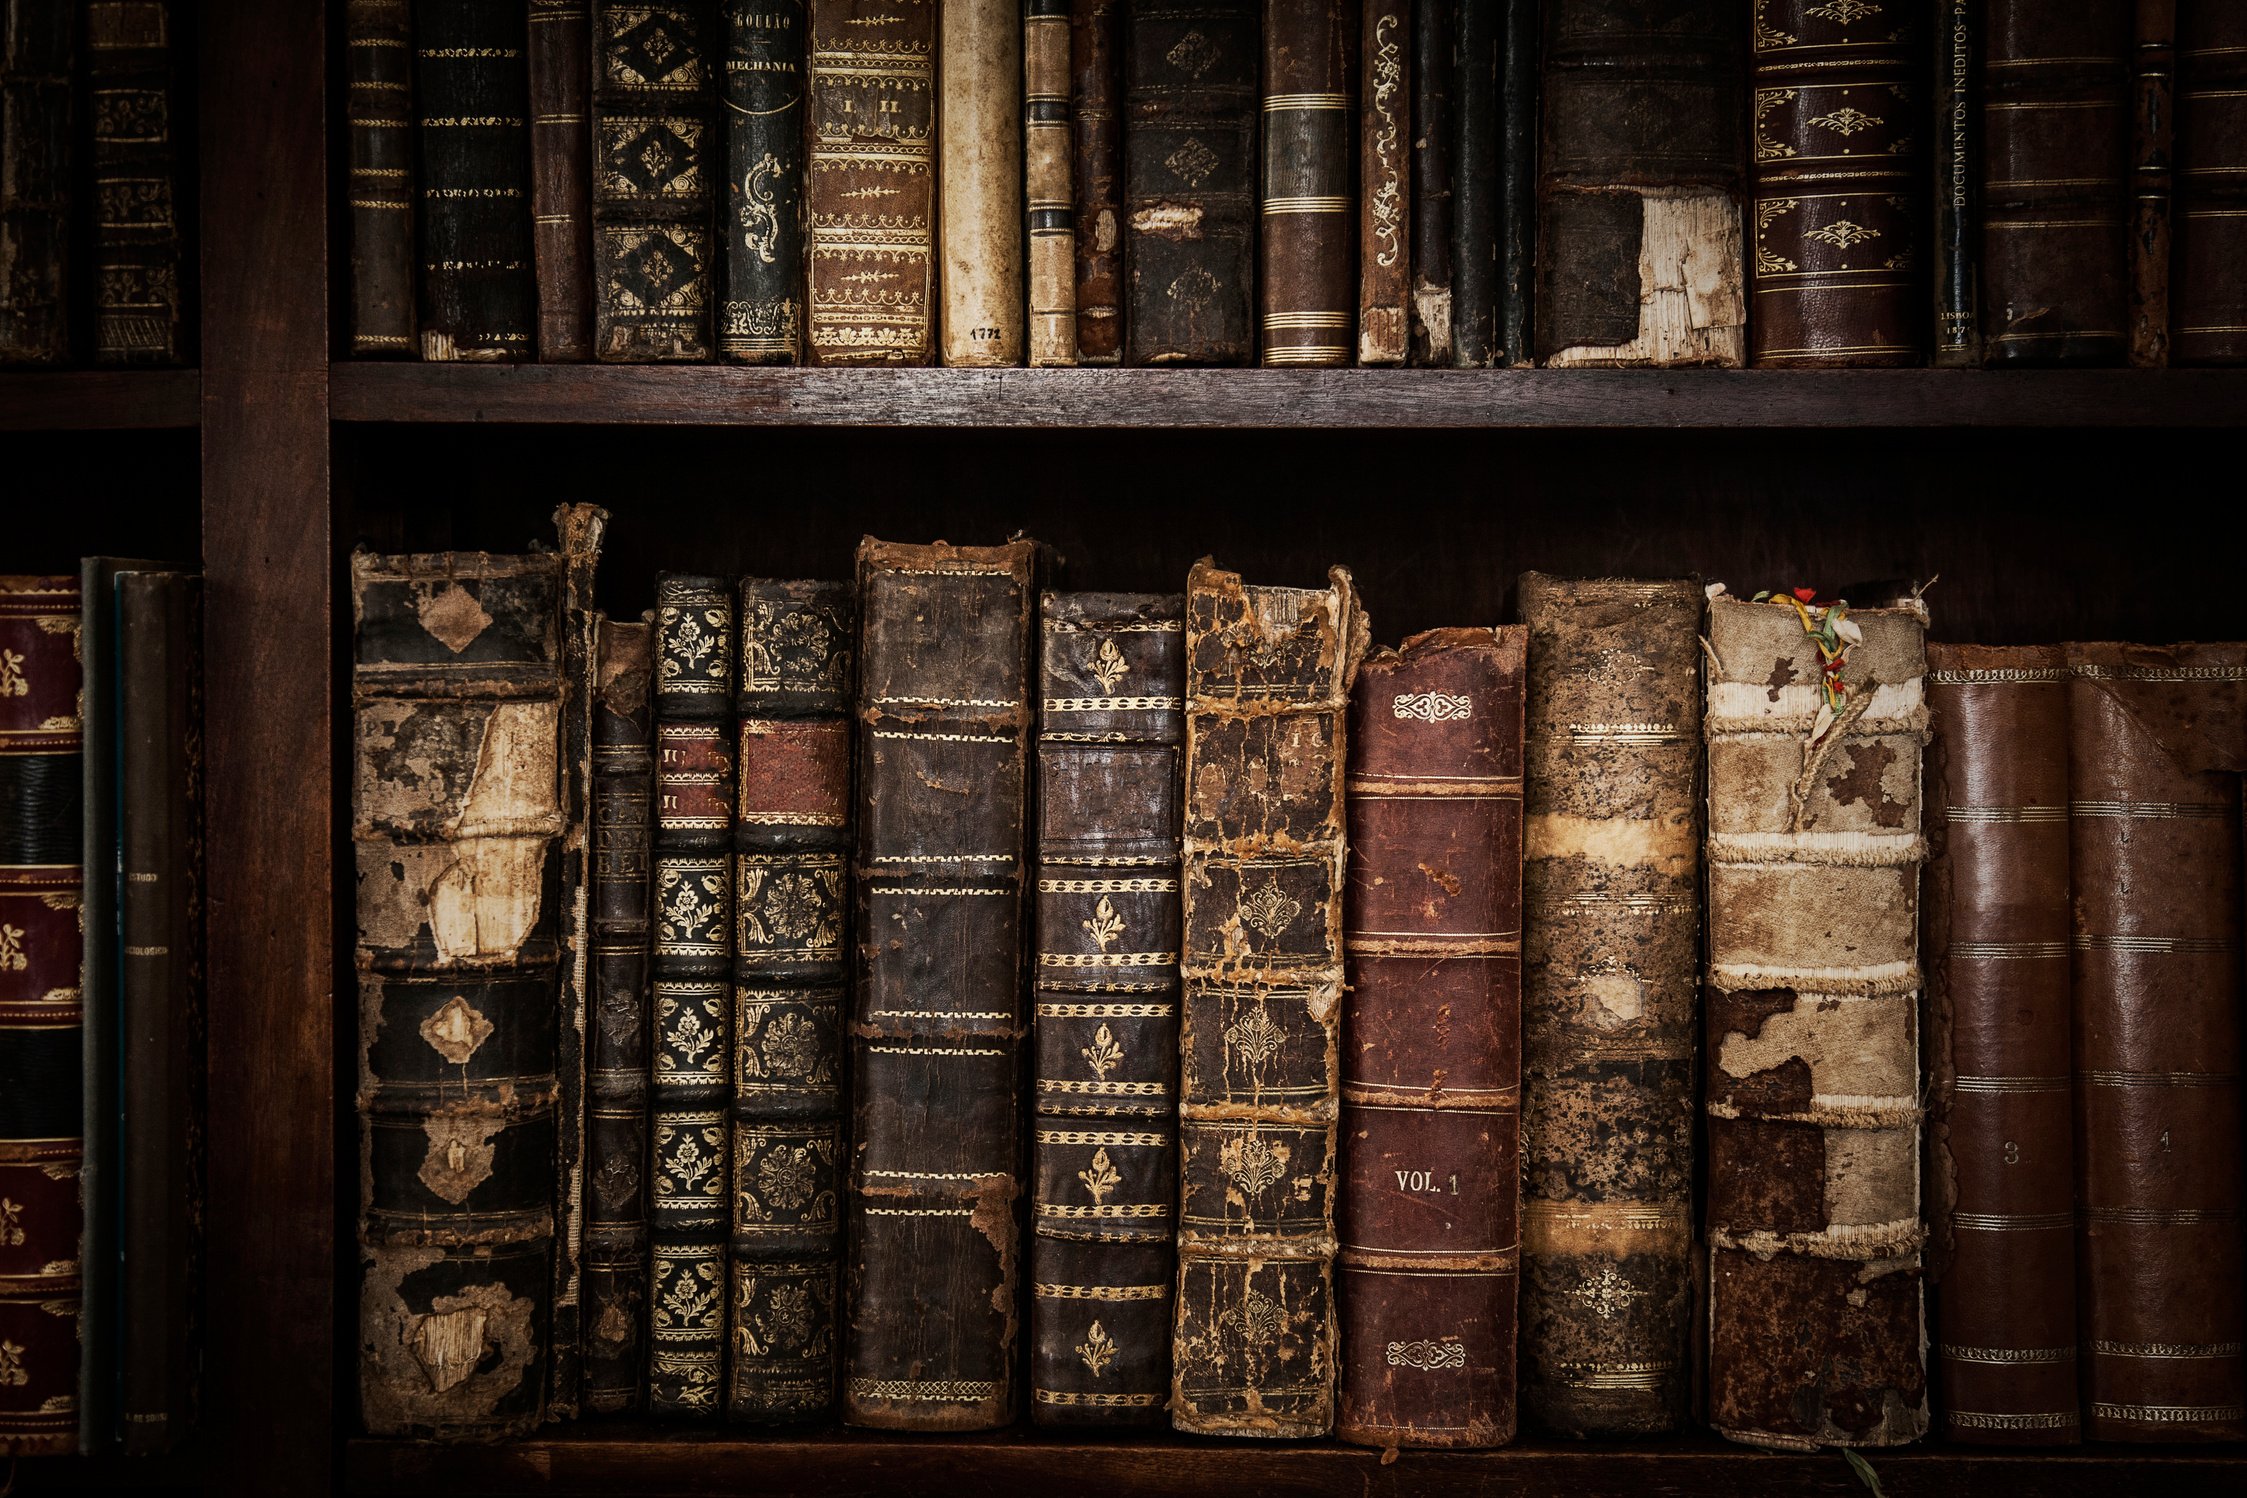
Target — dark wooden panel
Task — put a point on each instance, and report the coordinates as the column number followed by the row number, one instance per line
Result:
column 84, row 400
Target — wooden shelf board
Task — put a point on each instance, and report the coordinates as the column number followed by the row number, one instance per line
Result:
column 88, row 400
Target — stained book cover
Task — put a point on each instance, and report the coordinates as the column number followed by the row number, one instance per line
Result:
column 138, row 267
column 1307, row 239
column 1048, row 196
column 979, row 222
column 1385, row 152
column 1478, row 156
column 1111, row 734
column 471, row 95
column 763, row 84
column 1096, row 47
column 1428, row 336
column 656, row 155
column 1268, row 674
column 561, row 94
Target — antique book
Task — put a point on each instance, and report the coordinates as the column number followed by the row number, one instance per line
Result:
column 137, row 261
column 656, row 152
column 41, row 1125
column 1048, row 195
column 1096, row 47
column 1431, row 1071
column 1268, row 674
column 1955, row 154
column 471, row 96
column 614, row 1302
column 1190, row 95
column 2156, row 740
column 691, row 984
column 871, row 194
column 791, row 830
column 1517, row 204
column 2208, row 270
column 1434, row 71
column 1639, row 176
column 1384, row 181
column 1814, row 722
column 936, row 1033
column 1105, row 1137
column 561, row 94
column 1610, row 983
column 2055, row 142
column 457, row 819
column 979, row 180
column 2153, row 103
column 764, row 78
column 1838, row 198
column 1306, row 273
column 1478, row 186
column 2001, row 1116
column 36, row 46
column 379, row 126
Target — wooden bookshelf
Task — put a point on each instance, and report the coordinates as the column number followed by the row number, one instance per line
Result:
column 86, row 400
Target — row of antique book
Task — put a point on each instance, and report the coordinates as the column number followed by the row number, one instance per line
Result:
column 92, row 264
column 1781, row 183
column 874, row 999
column 101, row 1009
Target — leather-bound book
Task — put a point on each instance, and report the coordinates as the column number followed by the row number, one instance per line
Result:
column 1431, row 1075
column 2208, row 271
column 1190, row 96
column 1610, row 986
column 41, row 1126
column 1955, row 155
column 791, row 925
column 615, row 1297
column 2055, row 146
column 137, row 263
column 1639, row 180
column 657, row 151
column 936, row 1032
column 457, row 819
column 765, row 79
column 871, row 194
column 979, row 180
column 1307, row 273
column 36, row 45
column 471, row 96
column 2001, row 1112
column 1268, row 674
column 1103, row 1246
column 2153, row 104
column 2156, row 741
column 1838, row 200
column 1096, row 46
column 1478, row 183
column 1811, row 1086
column 1517, row 167
column 1048, row 196
column 1434, row 73
column 379, row 126
column 692, row 987
column 1385, row 182
column 561, row 84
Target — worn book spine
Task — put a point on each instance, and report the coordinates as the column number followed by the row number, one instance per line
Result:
column 1385, row 181
column 1306, row 271
column 1048, row 195
column 1639, row 248
column 979, row 220
column 936, row 1028
column 656, row 153
column 561, row 95
column 1610, row 987
column 2208, row 272
column 1955, row 153
column 1103, row 1247
column 1816, row 1331
column 871, row 194
column 2154, row 847
column 615, row 1299
column 2153, row 130
column 1517, row 208
column 1838, row 199
column 36, row 49
column 1434, row 74
column 42, row 1130
column 2001, row 1116
column 1096, row 47
column 1190, row 96
column 791, row 831
column 1431, row 1075
column 2055, row 145
column 1478, row 196
column 691, row 986
column 471, row 95
column 761, row 314
column 137, row 264
column 379, row 125
column 1268, row 674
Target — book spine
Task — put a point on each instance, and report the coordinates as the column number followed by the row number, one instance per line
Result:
column 1610, row 987
column 1306, row 272
column 692, row 910
column 1190, row 94
column 761, row 318
column 1836, row 200
column 1816, row 1328
column 1105, row 1154
column 1639, row 245
column 136, row 240
column 2208, row 276
column 1435, row 67
column 378, row 102
column 1956, row 182
column 2153, row 104
column 36, row 47
column 2001, row 1121
column 1478, row 151
column 561, row 94
column 471, row 94
column 1431, row 1076
column 1385, row 180
column 1517, row 209
column 1096, row 49
column 871, row 194
column 616, row 1043
column 2154, row 846
column 2056, row 139
column 979, row 181
column 41, row 1123
column 1268, row 673
column 1048, row 193
column 791, row 940
column 655, row 147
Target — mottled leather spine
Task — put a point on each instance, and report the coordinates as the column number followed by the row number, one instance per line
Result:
column 1955, row 155
column 471, row 96
column 760, row 318
column 2153, row 132
column 1096, row 48
column 656, row 151
column 1517, row 168
column 1385, row 182
column 2208, row 271
column 136, row 242
column 1307, row 270
column 1049, row 199
column 37, row 44
column 1435, row 70
column 561, row 84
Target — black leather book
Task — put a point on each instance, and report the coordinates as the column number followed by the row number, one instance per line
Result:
column 1435, row 68
column 379, row 124
column 472, row 119
column 1479, row 184
column 138, row 268
column 760, row 316
column 1955, row 154
column 1517, row 208
column 36, row 43
column 656, row 152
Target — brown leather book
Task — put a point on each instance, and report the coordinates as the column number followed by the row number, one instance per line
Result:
column 1610, row 983
column 1048, row 196
column 379, row 125
column 1431, row 1075
column 657, row 158
column 2208, row 268
column 2001, row 1113
column 979, row 220
column 1307, row 281
column 138, row 270
column 1096, row 46
column 1385, row 180
column 1812, row 1057
column 1839, row 204
column 2156, row 740
column 2153, row 132
column 561, row 63
column 1268, row 673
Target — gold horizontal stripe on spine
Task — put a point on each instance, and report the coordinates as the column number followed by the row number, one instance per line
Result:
column 2182, row 945
column 1104, row 1089
column 1276, row 103
column 1311, row 354
column 1113, row 704
column 2165, row 1350
column 1007, row 739
column 1493, row 787
column 1105, row 886
column 947, row 702
column 1103, row 1292
column 1099, row 1401
column 2168, row 1414
column 2008, row 1356
column 2009, row 1084
column 1978, row 1420
column 1129, row 627
column 2005, row 815
column 935, row 1050
column 1281, row 207
column 2118, row 1078
column 1134, row 1137
column 917, row 1211
column 2004, row 951
column 916, row 1391
column 2162, row 1217
column 2157, row 811
column 1107, row 1011
column 1279, row 321
column 1432, row 946
column 2057, row 223
column 2012, row 1222
column 2094, row 671
column 1105, row 1210
column 1107, row 959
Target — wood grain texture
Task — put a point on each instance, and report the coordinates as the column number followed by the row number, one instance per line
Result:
column 89, row 400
